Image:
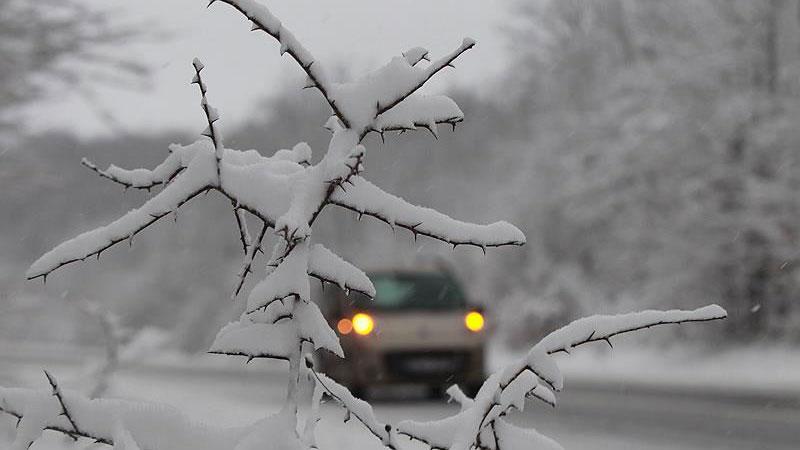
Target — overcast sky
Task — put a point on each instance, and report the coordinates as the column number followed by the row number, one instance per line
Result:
column 243, row 67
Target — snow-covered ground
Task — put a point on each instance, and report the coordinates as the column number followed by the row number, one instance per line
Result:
column 755, row 371
column 626, row 401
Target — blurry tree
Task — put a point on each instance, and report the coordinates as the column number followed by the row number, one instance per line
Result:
column 40, row 43
column 665, row 133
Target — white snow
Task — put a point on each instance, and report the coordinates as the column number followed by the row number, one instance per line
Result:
column 255, row 337
column 364, row 197
column 420, row 111
column 602, row 327
column 287, row 279
column 200, row 174
column 328, row 266
column 152, row 426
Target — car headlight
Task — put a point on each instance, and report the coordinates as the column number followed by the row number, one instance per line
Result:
column 474, row 321
column 363, row 324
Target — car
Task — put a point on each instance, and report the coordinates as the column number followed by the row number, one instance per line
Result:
column 418, row 329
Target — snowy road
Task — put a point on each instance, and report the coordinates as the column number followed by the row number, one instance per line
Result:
column 588, row 416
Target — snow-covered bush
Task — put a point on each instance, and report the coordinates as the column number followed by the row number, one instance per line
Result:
column 286, row 193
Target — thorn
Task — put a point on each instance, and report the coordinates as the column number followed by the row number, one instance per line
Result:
column 608, row 341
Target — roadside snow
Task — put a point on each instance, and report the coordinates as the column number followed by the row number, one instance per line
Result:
column 754, row 370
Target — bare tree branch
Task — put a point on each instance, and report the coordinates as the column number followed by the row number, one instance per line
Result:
column 212, row 116
column 64, row 411
column 241, row 224
column 247, row 265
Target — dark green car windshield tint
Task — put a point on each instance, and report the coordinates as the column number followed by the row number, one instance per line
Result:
column 413, row 291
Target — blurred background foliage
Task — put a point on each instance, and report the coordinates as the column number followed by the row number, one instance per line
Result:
column 649, row 150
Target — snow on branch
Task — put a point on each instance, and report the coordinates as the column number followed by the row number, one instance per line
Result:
column 603, row 328
column 94, row 242
column 275, row 332
column 365, row 198
column 328, row 267
column 140, row 178
column 481, row 423
column 150, row 426
column 424, row 111
column 381, row 90
column 359, row 409
column 264, row 20
column 287, row 279
column 402, row 91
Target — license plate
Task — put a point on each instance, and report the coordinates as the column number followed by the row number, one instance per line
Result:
column 431, row 364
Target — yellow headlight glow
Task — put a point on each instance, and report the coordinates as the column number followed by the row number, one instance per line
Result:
column 363, row 324
column 474, row 321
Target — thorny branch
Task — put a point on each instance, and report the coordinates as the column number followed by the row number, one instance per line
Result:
column 57, row 394
column 289, row 44
column 430, row 71
column 72, row 434
column 211, row 115
column 241, row 224
column 127, row 184
column 564, row 347
column 247, row 265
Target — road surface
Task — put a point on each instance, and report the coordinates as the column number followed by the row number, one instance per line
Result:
column 588, row 417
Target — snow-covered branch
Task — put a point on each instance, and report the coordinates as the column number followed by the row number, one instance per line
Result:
column 93, row 243
column 328, row 267
column 412, row 85
column 365, row 198
column 361, row 410
column 420, row 111
column 148, row 426
column 603, row 328
column 288, row 193
column 264, row 20
column 140, row 178
column 481, row 423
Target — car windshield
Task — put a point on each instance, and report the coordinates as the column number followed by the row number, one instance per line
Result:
column 414, row 291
